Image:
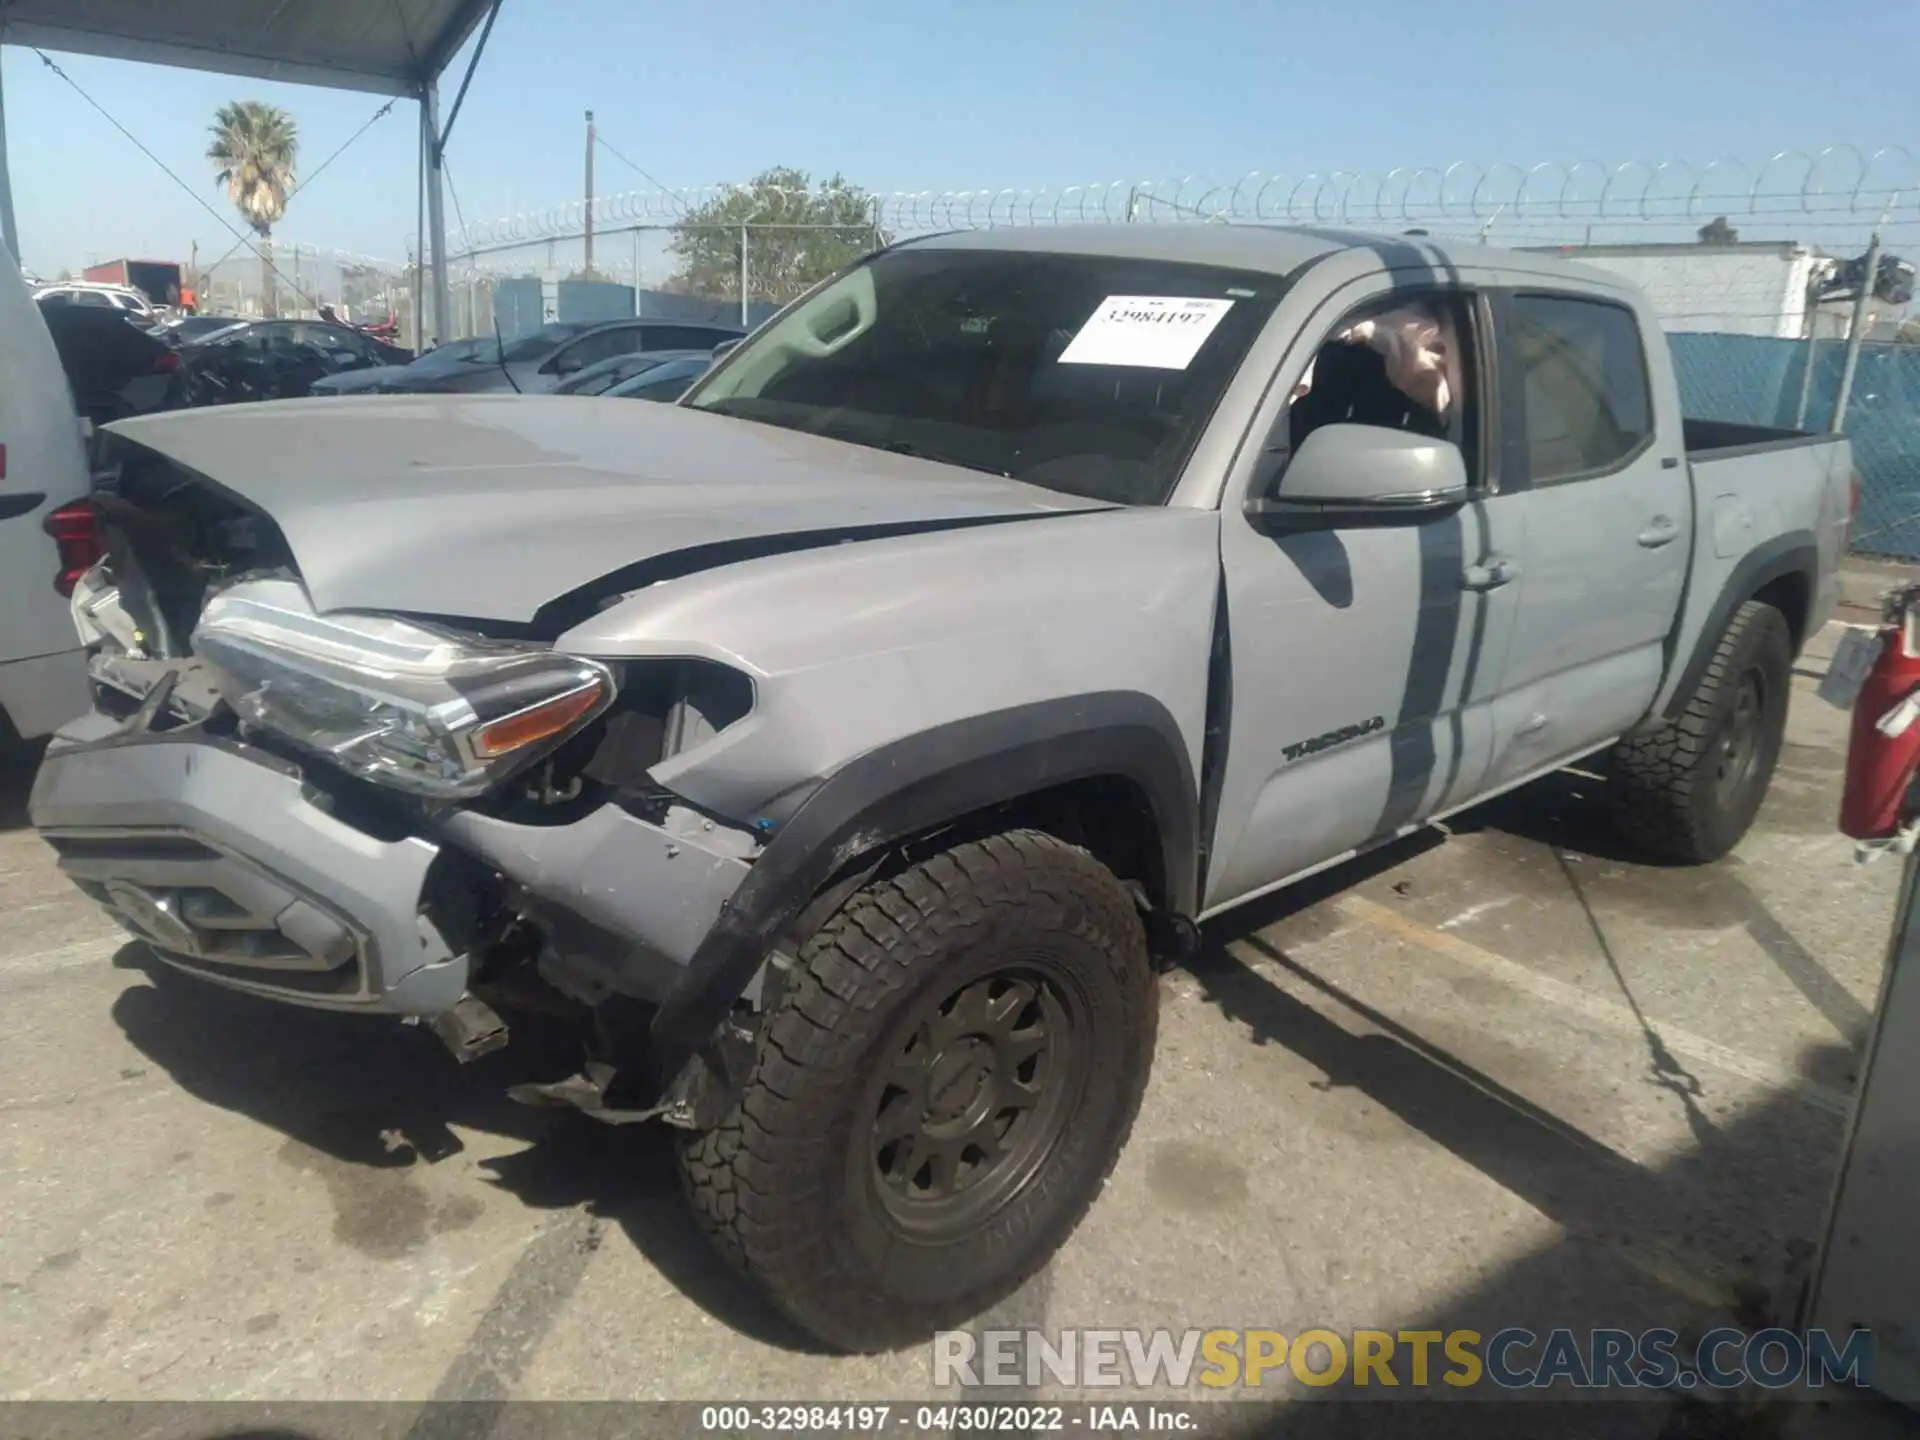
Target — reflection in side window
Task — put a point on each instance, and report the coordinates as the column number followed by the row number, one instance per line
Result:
column 1585, row 375
column 1090, row 375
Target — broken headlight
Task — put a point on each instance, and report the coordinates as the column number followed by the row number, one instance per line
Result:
column 403, row 704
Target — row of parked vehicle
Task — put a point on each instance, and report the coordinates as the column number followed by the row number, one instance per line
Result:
column 121, row 360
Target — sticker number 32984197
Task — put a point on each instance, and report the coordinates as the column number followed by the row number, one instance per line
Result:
column 1160, row 332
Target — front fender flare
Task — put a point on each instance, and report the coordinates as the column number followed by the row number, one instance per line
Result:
column 919, row 782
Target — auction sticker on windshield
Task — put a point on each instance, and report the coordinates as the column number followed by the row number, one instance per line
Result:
column 1160, row 332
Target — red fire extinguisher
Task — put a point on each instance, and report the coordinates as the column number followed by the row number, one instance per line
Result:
column 1883, row 750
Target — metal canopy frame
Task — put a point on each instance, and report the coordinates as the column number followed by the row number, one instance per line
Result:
column 385, row 47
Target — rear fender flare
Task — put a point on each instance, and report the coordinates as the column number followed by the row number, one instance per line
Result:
column 1794, row 553
column 918, row 783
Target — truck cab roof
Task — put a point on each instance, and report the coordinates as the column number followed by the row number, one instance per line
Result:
column 1267, row 249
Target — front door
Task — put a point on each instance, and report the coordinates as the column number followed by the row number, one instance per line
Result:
column 1365, row 659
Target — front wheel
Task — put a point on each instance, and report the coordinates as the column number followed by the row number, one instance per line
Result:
column 1687, row 790
column 940, row 1094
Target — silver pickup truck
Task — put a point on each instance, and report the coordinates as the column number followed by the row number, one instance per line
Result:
column 846, row 745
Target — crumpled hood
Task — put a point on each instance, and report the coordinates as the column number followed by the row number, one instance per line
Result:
column 489, row 507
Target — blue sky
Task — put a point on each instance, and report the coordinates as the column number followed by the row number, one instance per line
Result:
column 919, row 94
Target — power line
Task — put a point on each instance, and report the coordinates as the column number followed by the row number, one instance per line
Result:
column 602, row 141
column 220, row 219
column 446, row 171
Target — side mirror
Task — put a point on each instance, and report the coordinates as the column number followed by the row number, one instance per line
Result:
column 567, row 362
column 1366, row 473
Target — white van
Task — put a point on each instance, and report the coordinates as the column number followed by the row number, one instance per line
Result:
column 47, row 531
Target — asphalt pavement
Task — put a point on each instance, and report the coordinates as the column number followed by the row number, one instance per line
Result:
column 1502, row 1076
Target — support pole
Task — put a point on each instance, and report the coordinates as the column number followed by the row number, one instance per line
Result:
column 1813, row 354
column 9, row 237
column 436, row 209
column 588, row 267
column 744, row 277
column 1856, row 332
column 638, row 304
column 417, row 255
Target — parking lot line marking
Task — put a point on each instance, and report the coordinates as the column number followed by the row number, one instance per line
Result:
column 1699, row 1281
column 1474, row 912
column 1605, row 1012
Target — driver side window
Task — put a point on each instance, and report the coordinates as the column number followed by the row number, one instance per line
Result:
column 1402, row 362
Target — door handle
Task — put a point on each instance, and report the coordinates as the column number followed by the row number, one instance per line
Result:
column 1660, row 531
column 1491, row 574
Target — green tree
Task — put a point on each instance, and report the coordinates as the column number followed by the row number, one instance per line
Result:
column 254, row 148
column 796, row 234
column 1718, row 232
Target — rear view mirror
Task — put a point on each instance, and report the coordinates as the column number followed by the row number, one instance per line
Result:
column 1367, row 472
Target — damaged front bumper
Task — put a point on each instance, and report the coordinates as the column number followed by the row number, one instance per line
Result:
column 231, row 865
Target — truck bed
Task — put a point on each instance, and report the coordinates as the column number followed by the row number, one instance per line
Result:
column 1722, row 439
column 1761, row 496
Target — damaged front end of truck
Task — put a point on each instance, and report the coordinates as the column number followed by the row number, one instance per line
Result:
column 449, row 822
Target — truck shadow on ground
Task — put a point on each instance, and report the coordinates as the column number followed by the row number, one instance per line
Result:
column 363, row 1101
column 18, row 762
column 1724, row 1233
column 1565, row 813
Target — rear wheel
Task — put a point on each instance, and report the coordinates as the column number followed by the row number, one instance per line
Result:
column 1689, row 789
column 939, row 1096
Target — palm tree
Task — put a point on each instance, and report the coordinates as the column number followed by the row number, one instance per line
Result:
column 254, row 145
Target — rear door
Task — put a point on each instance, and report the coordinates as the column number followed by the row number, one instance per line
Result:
column 1608, row 522
column 590, row 349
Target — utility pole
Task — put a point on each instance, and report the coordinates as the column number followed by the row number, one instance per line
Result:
column 1856, row 332
column 9, row 237
column 589, row 194
column 745, row 278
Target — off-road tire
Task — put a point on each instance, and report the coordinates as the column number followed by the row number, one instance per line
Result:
column 1664, row 788
column 788, row 1186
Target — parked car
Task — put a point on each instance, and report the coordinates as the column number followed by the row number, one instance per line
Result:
column 845, row 745
column 186, row 329
column 346, row 347
column 667, row 381
column 606, row 377
column 277, row 359
column 446, row 358
column 114, row 367
column 47, row 532
column 99, row 296
column 538, row 363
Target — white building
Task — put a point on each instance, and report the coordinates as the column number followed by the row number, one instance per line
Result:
column 1751, row 287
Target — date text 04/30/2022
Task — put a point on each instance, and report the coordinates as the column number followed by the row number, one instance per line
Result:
column 943, row 1419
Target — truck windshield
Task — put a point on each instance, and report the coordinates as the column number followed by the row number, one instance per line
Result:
column 1091, row 375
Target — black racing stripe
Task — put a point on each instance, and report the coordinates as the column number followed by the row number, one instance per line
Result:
column 1475, row 644
column 1442, row 557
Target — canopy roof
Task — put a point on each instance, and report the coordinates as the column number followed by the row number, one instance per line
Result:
column 390, row 47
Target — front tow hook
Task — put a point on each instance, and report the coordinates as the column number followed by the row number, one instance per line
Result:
column 472, row 1028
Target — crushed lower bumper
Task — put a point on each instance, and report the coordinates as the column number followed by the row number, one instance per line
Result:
column 214, row 853
column 222, row 857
